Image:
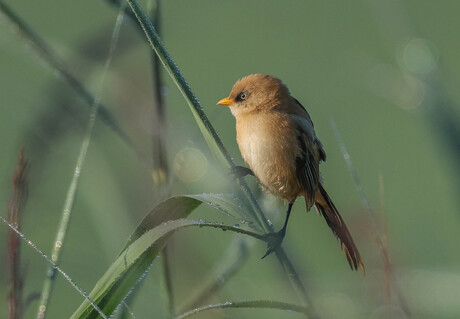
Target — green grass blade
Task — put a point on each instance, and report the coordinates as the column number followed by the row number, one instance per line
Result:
column 141, row 250
column 264, row 304
column 182, row 206
column 176, row 207
column 230, row 205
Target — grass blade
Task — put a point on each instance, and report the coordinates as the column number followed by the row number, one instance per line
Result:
column 263, row 304
column 141, row 250
column 229, row 205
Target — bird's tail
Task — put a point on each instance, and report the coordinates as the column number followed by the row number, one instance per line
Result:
column 327, row 208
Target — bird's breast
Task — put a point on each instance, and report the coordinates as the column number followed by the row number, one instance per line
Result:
column 268, row 145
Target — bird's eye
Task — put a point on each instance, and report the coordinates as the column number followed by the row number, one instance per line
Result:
column 242, row 96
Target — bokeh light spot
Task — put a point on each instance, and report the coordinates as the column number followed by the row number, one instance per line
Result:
column 401, row 88
column 420, row 56
column 190, row 164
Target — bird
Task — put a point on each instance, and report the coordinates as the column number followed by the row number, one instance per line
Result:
column 276, row 138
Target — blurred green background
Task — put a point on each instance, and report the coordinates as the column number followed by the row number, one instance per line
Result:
column 387, row 72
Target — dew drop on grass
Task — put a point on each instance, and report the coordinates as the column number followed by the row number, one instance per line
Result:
column 237, row 226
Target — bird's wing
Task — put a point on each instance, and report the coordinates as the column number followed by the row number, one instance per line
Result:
column 308, row 127
column 311, row 153
column 301, row 110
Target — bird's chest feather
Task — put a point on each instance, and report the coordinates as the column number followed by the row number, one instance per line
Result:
column 269, row 146
column 256, row 146
column 261, row 139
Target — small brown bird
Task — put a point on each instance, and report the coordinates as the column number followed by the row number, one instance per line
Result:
column 276, row 138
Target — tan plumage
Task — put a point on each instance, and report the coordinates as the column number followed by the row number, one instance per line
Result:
column 277, row 140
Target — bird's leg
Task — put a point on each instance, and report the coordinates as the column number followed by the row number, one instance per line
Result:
column 240, row 171
column 274, row 240
column 282, row 232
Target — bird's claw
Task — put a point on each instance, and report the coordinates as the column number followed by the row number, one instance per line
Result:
column 273, row 241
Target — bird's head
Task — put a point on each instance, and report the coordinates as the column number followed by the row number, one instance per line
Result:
column 255, row 93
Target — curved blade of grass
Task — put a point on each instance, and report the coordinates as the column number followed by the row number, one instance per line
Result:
column 264, row 304
column 230, row 206
column 141, row 250
column 134, row 262
column 177, row 207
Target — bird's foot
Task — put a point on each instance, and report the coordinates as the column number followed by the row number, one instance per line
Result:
column 273, row 241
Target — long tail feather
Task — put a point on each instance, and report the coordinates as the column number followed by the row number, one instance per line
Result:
column 330, row 213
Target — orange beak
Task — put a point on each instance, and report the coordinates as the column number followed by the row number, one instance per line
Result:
column 225, row 101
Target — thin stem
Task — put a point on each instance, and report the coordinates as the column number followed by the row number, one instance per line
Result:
column 264, row 304
column 71, row 192
column 161, row 173
column 15, row 208
column 211, row 137
column 160, row 170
